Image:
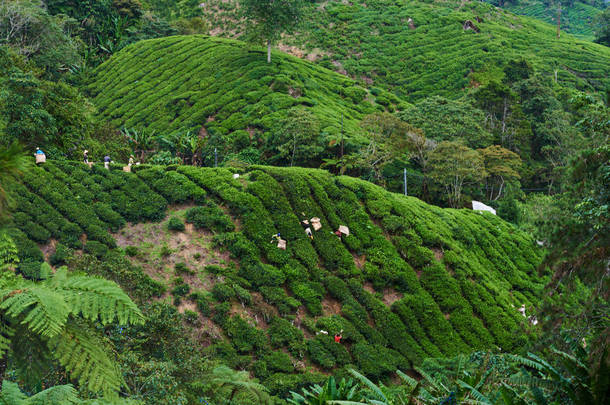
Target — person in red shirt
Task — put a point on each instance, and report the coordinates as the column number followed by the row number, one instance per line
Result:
column 338, row 337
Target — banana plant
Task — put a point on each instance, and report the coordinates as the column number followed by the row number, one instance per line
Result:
column 346, row 390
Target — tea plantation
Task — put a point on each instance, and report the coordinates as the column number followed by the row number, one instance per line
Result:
column 410, row 281
column 419, row 48
column 576, row 18
column 216, row 85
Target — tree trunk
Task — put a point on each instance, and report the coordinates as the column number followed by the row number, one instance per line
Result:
column 268, row 51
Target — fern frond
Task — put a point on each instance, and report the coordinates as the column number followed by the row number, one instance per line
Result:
column 11, row 394
column 40, row 308
column 111, row 401
column 82, row 354
column 372, row 386
column 6, row 333
column 96, row 298
column 58, row 395
column 30, row 355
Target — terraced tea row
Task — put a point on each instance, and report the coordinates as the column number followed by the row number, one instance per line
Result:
column 409, row 282
column 212, row 85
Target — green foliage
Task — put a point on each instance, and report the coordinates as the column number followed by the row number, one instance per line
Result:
column 419, row 260
column 175, row 224
column 209, row 217
column 260, row 96
column 58, row 314
column 371, row 40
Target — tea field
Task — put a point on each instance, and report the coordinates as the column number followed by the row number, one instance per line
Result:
column 420, row 48
column 217, row 86
column 410, row 281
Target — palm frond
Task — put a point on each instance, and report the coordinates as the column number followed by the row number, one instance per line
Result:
column 372, row 386
column 526, row 362
column 83, row 355
column 475, row 393
column 411, row 382
column 433, row 382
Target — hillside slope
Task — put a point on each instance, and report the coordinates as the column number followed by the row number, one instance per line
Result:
column 576, row 18
column 410, row 281
column 194, row 82
column 374, row 42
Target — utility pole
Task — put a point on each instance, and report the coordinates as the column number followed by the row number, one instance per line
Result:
column 404, row 174
column 215, row 157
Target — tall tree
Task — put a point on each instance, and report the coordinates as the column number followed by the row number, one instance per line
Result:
column 389, row 138
column 269, row 19
column 296, row 138
column 453, row 166
column 502, row 168
column 602, row 27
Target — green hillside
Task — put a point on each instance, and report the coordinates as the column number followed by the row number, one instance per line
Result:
column 189, row 82
column 410, row 281
column 371, row 41
column 576, row 19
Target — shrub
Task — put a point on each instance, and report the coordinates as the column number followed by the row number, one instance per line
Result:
column 105, row 213
column 202, row 301
column 36, row 232
column 309, row 296
column 283, row 334
column 95, row 248
column 181, row 268
column 279, row 362
column 175, row 224
column 377, row 361
column 277, row 296
column 242, row 294
column 181, row 289
column 245, row 337
column 191, row 318
column 223, row 292
column 61, row 255
column 318, row 351
column 209, row 217
column 132, row 251
column 262, row 274
column 31, row 270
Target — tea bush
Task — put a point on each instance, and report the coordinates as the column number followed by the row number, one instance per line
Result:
column 410, row 281
column 175, row 224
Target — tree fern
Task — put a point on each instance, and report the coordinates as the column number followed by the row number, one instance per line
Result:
column 96, row 299
column 44, row 311
column 58, row 316
column 81, row 352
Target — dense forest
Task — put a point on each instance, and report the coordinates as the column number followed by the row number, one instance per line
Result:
column 262, row 201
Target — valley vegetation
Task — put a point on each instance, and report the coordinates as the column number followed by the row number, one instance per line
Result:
column 159, row 284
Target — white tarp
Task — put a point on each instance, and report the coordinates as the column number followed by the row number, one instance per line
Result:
column 479, row 206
